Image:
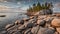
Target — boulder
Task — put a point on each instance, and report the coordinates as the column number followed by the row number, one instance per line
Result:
column 26, row 19
column 58, row 15
column 9, row 25
column 17, row 32
column 56, row 33
column 58, row 29
column 55, row 22
column 19, row 22
column 21, row 27
column 41, row 22
column 28, row 31
column 29, row 24
column 46, row 31
column 49, row 19
column 35, row 29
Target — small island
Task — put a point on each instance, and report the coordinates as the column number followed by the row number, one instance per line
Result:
column 46, row 8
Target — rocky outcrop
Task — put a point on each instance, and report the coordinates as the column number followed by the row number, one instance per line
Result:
column 38, row 24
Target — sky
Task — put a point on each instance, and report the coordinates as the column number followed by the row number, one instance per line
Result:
column 24, row 4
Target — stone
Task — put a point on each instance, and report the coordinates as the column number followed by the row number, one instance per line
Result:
column 56, row 33
column 22, row 22
column 29, row 24
column 9, row 25
column 28, row 31
column 55, row 22
column 19, row 22
column 35, row 29
column 31, row 17
column 58, row 29
column 58, row 15
column 41, row 17
column 26, row 19
column 41, row 22
column 49, row 19
column 17, row 32
column 52, row 28
column 21, row 28
column 45, row 31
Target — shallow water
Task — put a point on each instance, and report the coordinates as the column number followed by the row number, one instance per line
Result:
column 10, row 18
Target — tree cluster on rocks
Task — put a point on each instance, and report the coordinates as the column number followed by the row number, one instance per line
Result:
column 47, row 8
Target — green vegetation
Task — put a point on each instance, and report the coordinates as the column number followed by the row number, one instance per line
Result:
column 37, row 7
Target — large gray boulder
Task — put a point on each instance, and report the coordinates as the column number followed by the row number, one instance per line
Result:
column 46, row 31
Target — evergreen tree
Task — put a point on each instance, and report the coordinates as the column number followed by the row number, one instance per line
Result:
column 38, row 6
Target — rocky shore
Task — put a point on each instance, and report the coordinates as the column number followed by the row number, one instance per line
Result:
column 37, row 24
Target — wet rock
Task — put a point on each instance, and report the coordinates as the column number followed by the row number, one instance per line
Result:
column 45, row 31
column 28, row 31
column 26, row 19
column 13, row 28
column 22, row 28
column 31, row 17
column 19, row 22
column 55, row 22
column 41, row 22
column 9, row 25
column 29, row 25
column 10, row 31
column 22, row 22
column 35, row 29
column 17, row 32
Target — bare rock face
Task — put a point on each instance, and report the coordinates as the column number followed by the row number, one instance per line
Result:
column 55, row 22
column 46, row 31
